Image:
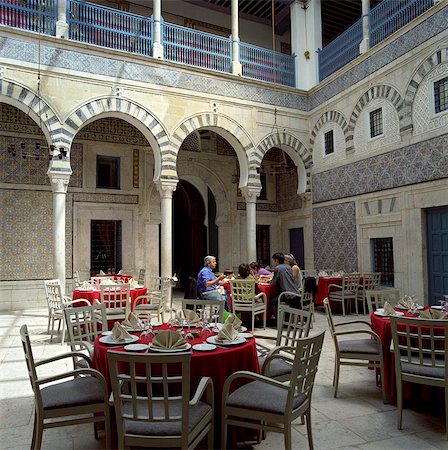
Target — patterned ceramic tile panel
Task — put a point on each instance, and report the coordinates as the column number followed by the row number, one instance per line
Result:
column 106, row 198
column 415, row 163
column 26, row 240
column 334, row 236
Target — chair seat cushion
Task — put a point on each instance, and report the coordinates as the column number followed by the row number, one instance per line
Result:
column 278, row 367
column 261, row 396
column 160, row 428
column 114, row 311
column 424, row 371
column 76, row 392
column 340, row 294
column 145, row 306
column 367, row 346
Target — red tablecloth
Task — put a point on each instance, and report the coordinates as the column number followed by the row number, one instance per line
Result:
column 381, row 326
column 322, row 288
column 94, row 294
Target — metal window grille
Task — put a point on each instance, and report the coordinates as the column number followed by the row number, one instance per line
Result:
column 329, row 142
column 376, row 122
column 383, row 259
column 105, row 245
column 263, row 245
column 441, row 95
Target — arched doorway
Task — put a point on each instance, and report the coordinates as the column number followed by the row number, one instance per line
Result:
column 189, row 231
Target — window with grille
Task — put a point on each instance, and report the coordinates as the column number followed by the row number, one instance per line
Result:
column 329, row 142
column 376, row 122
column 383, row 259
column 263, row 245
column 441, row 95
column 107, row 172
column 105, row 246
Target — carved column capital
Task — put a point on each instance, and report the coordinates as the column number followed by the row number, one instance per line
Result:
column 250, row 194
column 165, row 188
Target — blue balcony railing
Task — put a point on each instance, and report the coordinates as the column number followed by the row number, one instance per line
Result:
column 385, row 19
column 33, row 15
column 196, row 48
column 108, row 27
column 267, row 65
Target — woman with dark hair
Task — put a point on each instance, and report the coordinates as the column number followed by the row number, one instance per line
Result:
column 259, row 272
column 243, row 270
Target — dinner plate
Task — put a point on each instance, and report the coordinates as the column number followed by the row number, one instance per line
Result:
column 246, row 335
column 156, row 324
column 404, row 308
column 204, row 347
column 106, row 333
column 136, row 347
column 108, row 340
column 439, row 307
column 220, row 325
column 184, row 348
column 133, row 330
column 239, row 340
column 380, row 312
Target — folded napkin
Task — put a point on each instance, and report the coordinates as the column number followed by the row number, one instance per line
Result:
column 133, row 283
column 388, row 309
column 107, row 281
column 406, row 301
column 234, row 321
column 86, row 285
column 433, row 314
column 132, row 321
column 322, row 273
column 187, row 314
column 227, row 333
column 101, row 273
column 120, row 272
column 168, row 339
column 119, row 333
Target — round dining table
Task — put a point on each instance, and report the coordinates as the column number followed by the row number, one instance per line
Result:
column 217, row 364
column 323, row 288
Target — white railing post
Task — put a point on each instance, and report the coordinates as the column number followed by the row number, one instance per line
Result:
column 157, row 47
column 236, row 65
column 365, row 43
column 61, row 23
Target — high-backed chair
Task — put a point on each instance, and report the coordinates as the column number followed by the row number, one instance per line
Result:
column 347, row 293
column 367, row 351
column 377, row 297
column 420, row 349
column 152, row 403
column 56, row 303
column 155, row 300
column 80, row 395
column 116, row 299
column 141, row 277
column 369, row 281
column 272, row 405
column 84, row 324
column 206, row 308
column 245, row 299
column 292, row 325
column 309, row 273
column 76, row 279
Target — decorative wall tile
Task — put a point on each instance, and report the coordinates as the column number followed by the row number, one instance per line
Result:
column 415, row 163
column 334, row 236
column 106, row 198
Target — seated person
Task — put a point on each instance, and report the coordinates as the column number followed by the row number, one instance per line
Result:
column 296, row 272
column 208, row 282
column 259, row 273
column 244, row 271
column 283, row 279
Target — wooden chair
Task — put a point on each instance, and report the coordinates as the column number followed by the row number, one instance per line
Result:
column 244, row 299
column 116, row 299
column 366, row 352
column 152, row 403
column 76, row 279
column 80, row 395
column 309, row 273
column 205, row 308
column 292, row 325
column 377, row 297
column 141, row 277
column 84, row 324
column 267, row 404
column 369, row 281
column 155, row 300
column 420, row 348
column 56, row 303
column 347, row 292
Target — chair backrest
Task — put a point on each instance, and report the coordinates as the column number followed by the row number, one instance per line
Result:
column 141, row 276
column 377, row 297
column 76, row 279
column 192, row 291
column 371, row 280
column 292, row 325
column 420, row 348
column 205, row 308
column 152, row 389
column 306, row 359
column 29, row 358
column 85, row 323
column 309, row 273
column 98, row 280
column 330, row 318
column 243, row 291
column 350, row 282
column 115, row 296
column 306, row 300
column 53, row 292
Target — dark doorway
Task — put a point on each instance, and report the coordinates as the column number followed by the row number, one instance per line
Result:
column 296, row 246
column 189, row 232
column 105, row 245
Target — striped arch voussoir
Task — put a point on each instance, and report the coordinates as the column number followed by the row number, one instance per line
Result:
column 329, row 116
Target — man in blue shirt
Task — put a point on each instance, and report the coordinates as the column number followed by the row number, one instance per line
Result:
column 208, row 282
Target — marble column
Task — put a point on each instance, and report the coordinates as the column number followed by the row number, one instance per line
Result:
column 61, row 23
column 59, row 173
column 166, row 190
column 236, row 65
column 365, row 43
column 306, row 39
column 250, row 196
column 157, row 47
